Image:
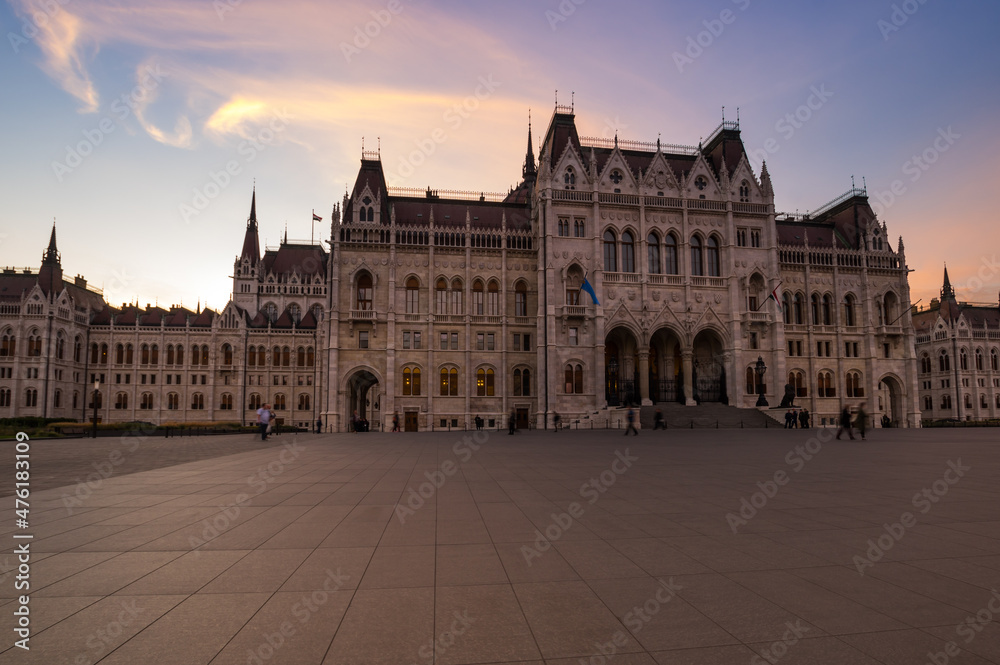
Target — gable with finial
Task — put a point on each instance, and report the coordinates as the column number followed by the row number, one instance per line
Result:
column 617, row 175
column 660, row 177
column 700, row 181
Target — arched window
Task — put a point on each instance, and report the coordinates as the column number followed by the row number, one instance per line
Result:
column 797, row 308
column 712, row 256
column 96, row 397
column 275, row 356
column 77, row 348
column 295, row 312
column 304, row 402
column 412, row 295
column 670, row 254
column 35, row 344
column 204, row 354
column 516, row 383
column 119, row 354
column 456, row 296
column 751, row 381
column 569, row 178
column 144, row 354
column 928, row 403
column 944, row 361
column 983, row 402
column 979, row 360
column 154, row 354
column 197, row 402
column 995, row 360
column 254, row 402
column 963, row 359
column 526, row 383
column 104, row 354
column 441, row 296
column 95, row 352
column 744, row 192
column 195, row 355
column 8, row 345
column 60, row 346
column 520, row 298
column 478, row 302
column 411, row 381
column 485, row 386
column 226, row 403
column 850, row 317
column 827, row 310
column 493, row 298
column 310, row 357
column 121, row 401
column 300, row 356
column 261, row 356
column 968, row 401
column 786, row 307
column 814, row 302
column 251, row 356
column 146, row 401
column 825, row 386
column 227, row 354
column 798, row 380
column 449, row 382
column 610, row 253
column 946, row 401
column 925, row 364
column 4, row 397
column 628, row 252
column 890, row 303
column 286, row 356
column 696, row 266
column 365, row 291
column 574, row 379
column 279, row 402
column 653, row 254
column 57, row 398
column 180, row 354
column 855, row 387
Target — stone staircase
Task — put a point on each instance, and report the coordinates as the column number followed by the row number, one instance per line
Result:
column 677, row 416
column 707, row 415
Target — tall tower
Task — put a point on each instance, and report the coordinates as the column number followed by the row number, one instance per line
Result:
column 50, row 276
column 247, row 265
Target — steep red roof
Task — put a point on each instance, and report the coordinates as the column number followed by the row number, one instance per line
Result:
column 307, row 260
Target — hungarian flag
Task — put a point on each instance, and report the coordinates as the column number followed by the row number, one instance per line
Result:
column 774, row 296
column 587, row 288
column 317, row 218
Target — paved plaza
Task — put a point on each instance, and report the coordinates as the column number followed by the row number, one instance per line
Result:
column 693, row 547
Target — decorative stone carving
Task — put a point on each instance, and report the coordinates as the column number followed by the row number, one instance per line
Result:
column 631, row 294
column 656, row 296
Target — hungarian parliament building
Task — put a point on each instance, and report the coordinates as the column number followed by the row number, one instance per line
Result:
column 615, row 273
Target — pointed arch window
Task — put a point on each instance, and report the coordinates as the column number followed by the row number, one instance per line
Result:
column 412, row 295
column 653, row 254
column 411, row 381
column 610, row 253
column 786, row 307
column 364, row 292
column 441, row 296
column 520, row 299
column 493, row 298
column 798, row 308
column 485, row 386
column 855, row 386
column 696, row 265
column 569, row 178
column 628, row 252
column 850, row 318
column 712, row 256
column 745, row 192
column 478, row 302
column 670, row 254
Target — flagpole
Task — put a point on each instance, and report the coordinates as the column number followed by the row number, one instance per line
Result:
column 312, row 226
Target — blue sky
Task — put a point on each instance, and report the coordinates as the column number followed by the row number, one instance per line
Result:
column 162, row 96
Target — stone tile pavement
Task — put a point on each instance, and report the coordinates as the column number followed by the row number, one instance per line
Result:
column 704, row 547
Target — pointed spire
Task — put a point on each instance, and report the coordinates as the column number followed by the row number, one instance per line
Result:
column 286, row 234
column 50, row 275
column 765, row 180
column 529, row 158
column 251, row 242
column 947, row 291
column 51, row 256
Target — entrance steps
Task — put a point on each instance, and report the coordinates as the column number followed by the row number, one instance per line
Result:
column 707, row 415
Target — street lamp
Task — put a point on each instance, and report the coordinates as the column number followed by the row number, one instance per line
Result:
column 97, row 387
column 761, row 369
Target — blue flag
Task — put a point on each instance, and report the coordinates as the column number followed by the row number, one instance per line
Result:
column 587, row 288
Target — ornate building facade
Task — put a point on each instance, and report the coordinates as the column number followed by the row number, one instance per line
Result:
column 443, row 306
column 958, row 356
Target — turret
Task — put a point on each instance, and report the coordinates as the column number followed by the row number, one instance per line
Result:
column 50, row 277
column 245, row 270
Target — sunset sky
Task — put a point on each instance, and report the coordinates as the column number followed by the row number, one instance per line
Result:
column 119, row 118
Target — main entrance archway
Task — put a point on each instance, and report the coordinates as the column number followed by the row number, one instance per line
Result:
column 708, row 371
column 621, row 368
column 890, row 402
column 666, row 369
column 363, row 398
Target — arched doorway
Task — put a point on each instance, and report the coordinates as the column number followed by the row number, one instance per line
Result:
column 621, row 368
column 890, row 402
column 666, row 369
column 708, row 373
column 363, row 397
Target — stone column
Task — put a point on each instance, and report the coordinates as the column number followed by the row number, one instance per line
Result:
column 644, row 377
column 687, row 358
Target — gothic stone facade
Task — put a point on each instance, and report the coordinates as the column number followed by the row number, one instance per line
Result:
column 441, row 307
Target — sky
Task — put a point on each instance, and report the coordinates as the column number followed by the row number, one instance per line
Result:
column 142, row 128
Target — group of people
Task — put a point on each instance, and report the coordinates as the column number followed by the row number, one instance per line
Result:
column 358, row 423
column 860, row 420
column 797, row 421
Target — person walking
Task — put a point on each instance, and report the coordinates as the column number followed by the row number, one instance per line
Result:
column 355, row 422
column 263, row 420
column 511, row 422
column 861, row 420
column 556, row 421
column 845, row 423
column 630, row 417
column 395, row 421
column 319, row 425
column 658, row 422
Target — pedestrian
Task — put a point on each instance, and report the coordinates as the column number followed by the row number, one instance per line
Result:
column 395, row 421
column 658, row 422
column 319, row 425
column 804, row 418
column 556, row 420
column 355, row 422
column 788, row 419
column 264, row 420
column 630, row 417
column 845, row 423
column 862, row 421
column 511, row 422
